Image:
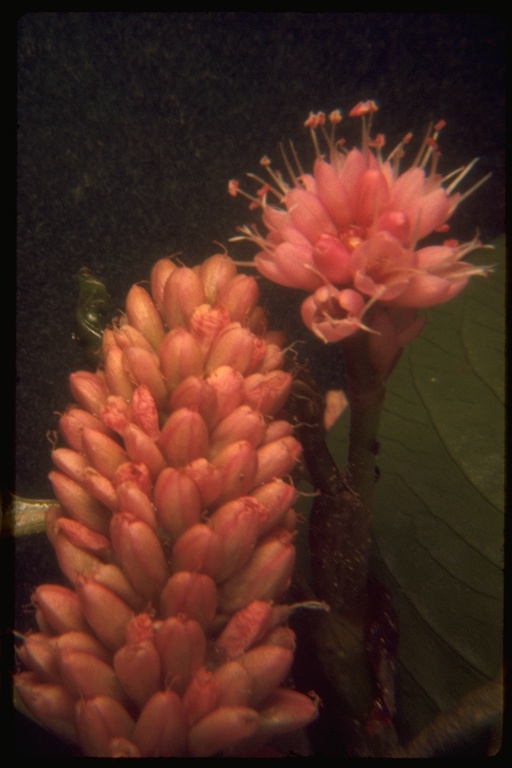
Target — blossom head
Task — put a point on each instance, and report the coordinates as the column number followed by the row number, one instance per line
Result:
column 348, row 232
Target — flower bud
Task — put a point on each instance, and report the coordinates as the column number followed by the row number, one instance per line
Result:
column 267, row 666
column 89, row 390
column 180, row 356
column 198, row 550
column 245, row 628
column 78, row 503
column 142, row 448
column 144, row 316
column 233, row 347
column 277, row 458
column 161, row 729
column 220, row 729
column 207, row 323
column 197, row 394
column 107, row 614
column 39, row 654
column 191, row 594
column 60, row 609
column 233, row 685
column 184, row 437
column 238, row 465
column 144, row 411
column 207, row 479
column 159, row 276
column 181, row 643
column 267, row 392
column 116, row 375
column 237, row 524
column 142, row 368
column 50, row 703
column 183, row 292
column 138, row 667
column 201, row 695
column 82, row 641
column 132, row 499
column 277, row 497
column 103, row 453
column 286, row 710
column 116, row 413
column 85, row 676
column 70, row 462
column 228, row 385
column 99, row 487
column 73, row 422
column 239, row 296
column 265, row 576
column 215, row 272
column 98, row 721
column 177, row 501
column 243, row 423
column 140, row 553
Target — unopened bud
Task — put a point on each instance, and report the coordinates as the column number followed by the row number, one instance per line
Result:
column 143, row 315
column 243, row 423
column 183, row 292
column 239, row 296
column 86, row 676
column 181, row 643
column 103, row 453
column 177, row 501
column 199, row 550
column 237, row 524
column 191, row 594
column 89, row 390
column 267, row 392
column 215, row 273
column 60, row 608
column 138, row 667
column 142, row 448
column 116, row 375
column 107, row 614
column 159, row 276
column 184, row 437
column 73, row 422
column 140, row 553
column 180, row 356
column 98, row 721
column 222, row 728
column 142, row 368
column 161, row 729
column 238, row 465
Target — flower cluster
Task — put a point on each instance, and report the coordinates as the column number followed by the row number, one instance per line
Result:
column 348, row 232
column 174, row 528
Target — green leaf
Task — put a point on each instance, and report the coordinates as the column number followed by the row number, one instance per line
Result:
column 438, row 515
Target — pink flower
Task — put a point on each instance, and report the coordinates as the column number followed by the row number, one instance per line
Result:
column 348, row 232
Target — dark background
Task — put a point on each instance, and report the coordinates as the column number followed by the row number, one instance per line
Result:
column 130, row 125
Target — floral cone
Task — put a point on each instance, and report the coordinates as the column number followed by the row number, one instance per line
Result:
column 174, row 528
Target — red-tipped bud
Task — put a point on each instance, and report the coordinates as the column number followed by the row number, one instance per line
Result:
column 82, row 641
column 243, row 423
column 140, row 628
column 245, row 628
column 199, row 550
column 177, row 501
column 159, row 276
column 138, row 667
column 222, row 728
column 267, row 392
column 180, row 356
column 116, row 413
column 239, row 296
column 86, row 676
column 184, row 437
column 277, row 429
column 201, row 696
column 144, row 411
column 107, row 614
column 143, row 315
column 59, row 608
column 191, row 594
column 89, row 391
column 78, row 503
column 183, row 292
column 103, row 453
column 206, row 323
column 140, row 553
column 181, row 643
column 215, row 272
column 127, row 335
column 238, row 465
column 131, row 472
column 277, row 459
column 266, row 575
column 142, row 448
column 233, row 685
column 161, row 730
column 228, row 385
column 237, row 524
column 98, row 721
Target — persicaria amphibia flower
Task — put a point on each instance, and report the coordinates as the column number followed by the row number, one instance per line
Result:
column 348, row 232
column 174, row 529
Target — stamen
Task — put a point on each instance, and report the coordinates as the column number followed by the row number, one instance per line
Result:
column 463, row 172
